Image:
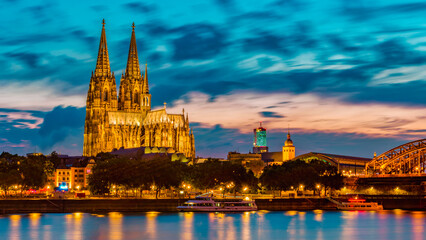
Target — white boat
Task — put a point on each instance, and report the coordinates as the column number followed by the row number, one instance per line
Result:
column 206, row 203
column 359, row 204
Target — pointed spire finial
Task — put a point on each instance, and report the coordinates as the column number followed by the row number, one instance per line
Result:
column 145, row 88
column 132, row 68
column 288, row 131
column 102, row 64
column 165, row 105
column 260, row 123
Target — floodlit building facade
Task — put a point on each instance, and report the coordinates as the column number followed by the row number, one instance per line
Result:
column 75, row 176
column 128, row 121
column 289, row 150
column 259, row 140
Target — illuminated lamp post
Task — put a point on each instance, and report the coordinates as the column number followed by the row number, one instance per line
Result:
column 319, row 191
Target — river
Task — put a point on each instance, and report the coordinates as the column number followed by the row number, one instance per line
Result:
column 395, row 224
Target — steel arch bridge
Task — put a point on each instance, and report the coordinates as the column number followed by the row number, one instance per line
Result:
column 408, row 158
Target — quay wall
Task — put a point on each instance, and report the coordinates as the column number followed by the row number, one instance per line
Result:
column 169, row 205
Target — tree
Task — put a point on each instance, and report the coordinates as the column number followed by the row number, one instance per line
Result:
column 99, row 180
column 256, row 167
column 162, row 174
column 32, row 173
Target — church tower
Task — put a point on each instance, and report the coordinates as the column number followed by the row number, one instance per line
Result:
column 101, row 98
column 289, row 150
column 134, row 93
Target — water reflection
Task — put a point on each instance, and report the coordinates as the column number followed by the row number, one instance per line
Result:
column 318, row 215
column 151, row 224
column 77, row 221
column 15, row 223
column 418, row 225
column 190, row 226
column 245, row 226
column 187, row 226
column 115, row 225
column 34, row 225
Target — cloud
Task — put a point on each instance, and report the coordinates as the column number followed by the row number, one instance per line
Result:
column 268, row 114
column 216, row 141
column 59, row 124
column 400, row 75
column 198, row 41
column 37, row 95
column 139, row 7
column 20, row 119
column 30, row 59
column 227, row 5
column 305, row 112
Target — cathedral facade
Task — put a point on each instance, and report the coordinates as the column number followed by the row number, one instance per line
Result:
column 127, row 120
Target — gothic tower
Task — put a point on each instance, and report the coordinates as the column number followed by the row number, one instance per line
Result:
column 101, row 98
column 289, row 150
column 134, row 94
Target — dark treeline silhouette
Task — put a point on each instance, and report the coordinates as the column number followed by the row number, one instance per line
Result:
column 26, row 172
column 159, row 173
column 113, row 174
column 300, row 174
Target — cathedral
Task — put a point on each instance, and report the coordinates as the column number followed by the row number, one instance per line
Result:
column 128, row 121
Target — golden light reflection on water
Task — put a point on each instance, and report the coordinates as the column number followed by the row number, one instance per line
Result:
column 187, row 226
column 77, row 218
column 245, row 226
column 317, row 225
column 230, row 225
column 151, row 224
column 115, row 220
column 73, row 225
column 349, row 224
column 290, row 213
column 399, row 213
column 34, row 225
column 15, row 223
column 318, row 215
column 418, row 222
column 302, row 225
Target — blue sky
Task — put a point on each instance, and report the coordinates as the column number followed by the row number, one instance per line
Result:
column 348, row 77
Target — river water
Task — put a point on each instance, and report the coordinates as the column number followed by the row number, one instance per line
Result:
column 396, row 224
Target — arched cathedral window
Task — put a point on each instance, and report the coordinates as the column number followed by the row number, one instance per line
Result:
column 106, row 95
column 136, row 98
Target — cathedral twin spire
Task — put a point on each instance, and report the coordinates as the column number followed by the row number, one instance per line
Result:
column 132, row 69
column 102, row 64
column 133, row 85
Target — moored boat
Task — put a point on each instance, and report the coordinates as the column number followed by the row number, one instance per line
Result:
column 359, row 204
column 206, row 203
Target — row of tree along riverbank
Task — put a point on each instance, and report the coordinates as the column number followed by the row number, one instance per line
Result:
column 169, row 205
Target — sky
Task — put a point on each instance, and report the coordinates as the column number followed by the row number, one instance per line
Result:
column 346, row 77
